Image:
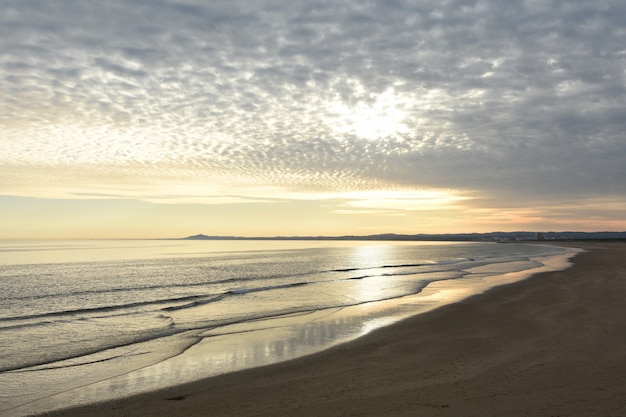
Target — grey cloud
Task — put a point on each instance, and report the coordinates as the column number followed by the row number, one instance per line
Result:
column 530, row 96
column 120, row 70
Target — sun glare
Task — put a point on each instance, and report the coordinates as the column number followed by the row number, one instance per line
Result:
column 381, row 118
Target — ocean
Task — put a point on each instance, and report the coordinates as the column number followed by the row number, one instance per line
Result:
column 86, row 321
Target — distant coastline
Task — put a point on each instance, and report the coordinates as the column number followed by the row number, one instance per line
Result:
column 451, row 237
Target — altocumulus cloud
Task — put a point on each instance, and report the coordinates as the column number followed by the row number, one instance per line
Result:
column 516, row 101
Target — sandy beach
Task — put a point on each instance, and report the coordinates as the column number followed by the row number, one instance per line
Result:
column 552, row 345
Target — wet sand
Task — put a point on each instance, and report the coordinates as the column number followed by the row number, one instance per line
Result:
column 552, row 345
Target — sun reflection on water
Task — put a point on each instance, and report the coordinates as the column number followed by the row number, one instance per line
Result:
column 370, row 288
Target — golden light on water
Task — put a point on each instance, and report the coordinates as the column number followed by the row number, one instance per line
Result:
column 371, row 287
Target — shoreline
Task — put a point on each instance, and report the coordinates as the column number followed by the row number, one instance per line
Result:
column 132, row 370
column 547, row 345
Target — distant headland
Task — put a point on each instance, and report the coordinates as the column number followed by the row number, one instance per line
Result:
column 459, row 237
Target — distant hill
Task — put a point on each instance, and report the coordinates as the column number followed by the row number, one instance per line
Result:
column 205, row 237
column 460, row 237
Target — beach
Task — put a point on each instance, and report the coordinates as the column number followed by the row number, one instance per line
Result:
column 551, row 345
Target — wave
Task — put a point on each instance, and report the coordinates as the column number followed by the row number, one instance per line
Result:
column 189, row 302
column 104, row 309
column 114, row 290
column 194, row 304
column 222, row 281
column 206, row 298
column 196, row 300
column 244, row 291
column 56, row 361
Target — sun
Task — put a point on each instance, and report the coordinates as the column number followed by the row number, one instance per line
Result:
column 384, row 116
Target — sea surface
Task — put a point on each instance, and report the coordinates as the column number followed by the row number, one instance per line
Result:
column 85, row 321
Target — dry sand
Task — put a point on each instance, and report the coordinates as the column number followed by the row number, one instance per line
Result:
column 553, row 345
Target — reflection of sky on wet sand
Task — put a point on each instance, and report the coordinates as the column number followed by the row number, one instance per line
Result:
column 242, row 346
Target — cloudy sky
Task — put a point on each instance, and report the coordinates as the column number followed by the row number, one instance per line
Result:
column 157, row 118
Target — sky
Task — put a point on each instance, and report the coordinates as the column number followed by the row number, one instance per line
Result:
column 167, row 118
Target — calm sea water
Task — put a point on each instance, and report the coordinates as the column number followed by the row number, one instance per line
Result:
column 69, row 307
